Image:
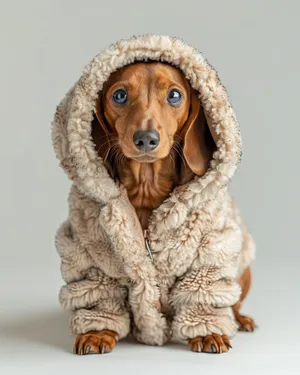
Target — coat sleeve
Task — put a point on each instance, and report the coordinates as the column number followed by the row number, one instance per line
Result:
column 203, row 297
column 96, row 301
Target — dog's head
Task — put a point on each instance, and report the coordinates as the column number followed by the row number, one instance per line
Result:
column 145, row 110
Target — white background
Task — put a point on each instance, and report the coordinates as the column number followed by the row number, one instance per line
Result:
column 44, row 46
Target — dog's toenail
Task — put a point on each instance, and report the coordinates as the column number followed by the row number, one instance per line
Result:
column 199, row 348
column 213, row 348
column 102, row 349
column 88, row 348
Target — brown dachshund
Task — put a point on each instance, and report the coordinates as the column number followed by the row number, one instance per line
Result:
column 152, row 134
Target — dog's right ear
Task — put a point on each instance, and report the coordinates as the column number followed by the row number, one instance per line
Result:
column 197, row 150
column 100, row 131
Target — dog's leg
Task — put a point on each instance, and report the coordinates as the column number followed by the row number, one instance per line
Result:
column 220, row 344
column 97, row 342
column 245, row 323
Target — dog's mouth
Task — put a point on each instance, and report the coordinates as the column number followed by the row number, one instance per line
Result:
column 139, row 156
column 145, row 158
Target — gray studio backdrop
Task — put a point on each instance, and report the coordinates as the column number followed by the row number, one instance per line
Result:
column 44, row 46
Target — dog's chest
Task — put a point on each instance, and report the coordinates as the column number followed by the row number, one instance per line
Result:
column 147, row 186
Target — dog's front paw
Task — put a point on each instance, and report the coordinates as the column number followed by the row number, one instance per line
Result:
column 210, row 344
column 95, row 342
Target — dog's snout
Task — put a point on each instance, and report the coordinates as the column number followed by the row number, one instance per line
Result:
column 146, row 140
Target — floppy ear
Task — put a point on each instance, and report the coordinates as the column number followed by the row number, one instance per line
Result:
column 196, row 149
column 100, row 131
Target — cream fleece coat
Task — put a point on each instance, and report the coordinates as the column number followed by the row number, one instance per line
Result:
column 199, row 244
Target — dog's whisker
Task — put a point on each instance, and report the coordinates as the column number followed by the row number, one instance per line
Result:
column 110, row 136
column 121, row 158
column 118, row 157
column 114, row 154
column 107, row 142
column 179, row 153
column 179, row 138
column 171, row 157
column 109, row 152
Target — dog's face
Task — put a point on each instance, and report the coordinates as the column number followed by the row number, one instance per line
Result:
column 144, row 105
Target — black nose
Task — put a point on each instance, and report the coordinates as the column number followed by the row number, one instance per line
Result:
column 146, row 140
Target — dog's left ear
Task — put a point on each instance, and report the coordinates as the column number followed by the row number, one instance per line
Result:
column 197, row 152
column 100, row 131
column 101, row 135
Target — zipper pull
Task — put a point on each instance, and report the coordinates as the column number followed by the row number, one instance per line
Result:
column 147, row 245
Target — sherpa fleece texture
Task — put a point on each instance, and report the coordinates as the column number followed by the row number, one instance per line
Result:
column 199, row 244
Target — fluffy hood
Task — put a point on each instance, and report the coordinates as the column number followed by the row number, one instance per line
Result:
column 71, row 130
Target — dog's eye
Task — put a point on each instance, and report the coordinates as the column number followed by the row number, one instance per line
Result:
column 120, row 96
column 174, row 97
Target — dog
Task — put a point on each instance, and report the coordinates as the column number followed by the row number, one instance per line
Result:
column 150, row 130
